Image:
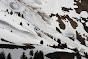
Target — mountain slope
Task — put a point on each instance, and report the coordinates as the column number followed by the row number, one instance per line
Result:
column 49, row 26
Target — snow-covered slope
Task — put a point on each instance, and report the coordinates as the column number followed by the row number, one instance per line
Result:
column 49, row 25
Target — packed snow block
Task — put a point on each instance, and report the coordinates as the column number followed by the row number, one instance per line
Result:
column 61, row 55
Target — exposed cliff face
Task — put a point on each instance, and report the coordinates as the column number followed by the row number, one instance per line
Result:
column 44, row 25
column 82, row 6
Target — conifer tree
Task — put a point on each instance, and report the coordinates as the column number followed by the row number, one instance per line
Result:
column 31, row 52
column 36, row 55
column 39, row 55
column 2, row 55
column 9, row 56
column 23, row 56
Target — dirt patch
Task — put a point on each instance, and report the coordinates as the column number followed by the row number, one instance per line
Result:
column 61, row 23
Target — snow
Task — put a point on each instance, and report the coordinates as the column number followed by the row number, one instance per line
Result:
column 39, row 23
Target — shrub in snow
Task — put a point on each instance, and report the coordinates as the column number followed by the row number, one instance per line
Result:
column 52, row 15
column 22, row 16
column 75, row 49
column 11, row 12
column 6, row 10
column 21, row 23
column 54, row 39
column 18, row 14
column 9, row 56
column 41, row 42
column 63, row 46
column 28, row 24
column 58, row 45
column 11, row 31
column 54, row 46
column 58, row 40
